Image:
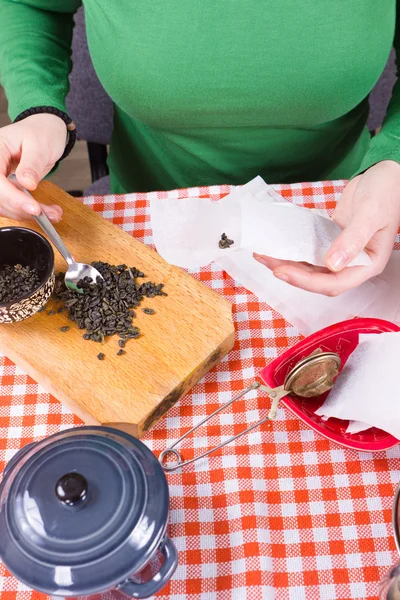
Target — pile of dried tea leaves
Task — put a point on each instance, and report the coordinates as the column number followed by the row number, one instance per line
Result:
column 106, row 307
column 17, row 282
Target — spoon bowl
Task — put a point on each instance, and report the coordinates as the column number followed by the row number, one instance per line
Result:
column 76, row 271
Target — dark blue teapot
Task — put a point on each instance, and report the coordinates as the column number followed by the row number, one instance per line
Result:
column 84, row 511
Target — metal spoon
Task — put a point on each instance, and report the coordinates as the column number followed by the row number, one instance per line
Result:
column 76, row 271
column 310, row 377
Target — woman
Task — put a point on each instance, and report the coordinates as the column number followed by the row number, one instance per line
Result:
column 217, row 91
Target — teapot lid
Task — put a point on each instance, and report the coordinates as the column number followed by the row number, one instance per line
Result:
column 81, row 511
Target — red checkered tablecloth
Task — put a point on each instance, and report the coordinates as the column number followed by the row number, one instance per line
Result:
column 282, row 513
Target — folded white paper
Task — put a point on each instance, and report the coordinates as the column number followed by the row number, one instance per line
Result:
column 386, row 304
column 283, row 230
column 366, row 389
column 187, row 231
column 308, row 312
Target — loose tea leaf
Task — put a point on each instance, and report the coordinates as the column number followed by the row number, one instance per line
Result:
column 225, row 242
column 121, row 352
column 149, row 311
column 17, row 282
column 65, row 328
column 101, row 356
column 51, row 312
column 106, row 307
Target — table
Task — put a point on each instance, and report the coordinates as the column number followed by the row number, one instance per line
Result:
column 283, row 513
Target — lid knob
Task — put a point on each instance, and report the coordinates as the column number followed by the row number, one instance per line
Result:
column 71, row 488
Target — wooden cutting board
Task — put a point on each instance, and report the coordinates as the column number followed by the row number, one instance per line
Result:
column 191, row 330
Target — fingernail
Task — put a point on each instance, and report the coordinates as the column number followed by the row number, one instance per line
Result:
column 282, row 277
column 337, row 260
column 52, row 216
column 28, row 175
column 261, row 259
column 30, row 209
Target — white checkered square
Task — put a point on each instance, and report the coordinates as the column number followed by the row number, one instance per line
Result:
column 324, row 563
column 286, row 484
column 379, row 530
column 283, row 460
column 353, row 561
column 207, row 542
column 345, row 506
column 297, row 593
column 320, row 534
column 289, row 510
column 291, row 536
column 317, row 508
column 328, row 592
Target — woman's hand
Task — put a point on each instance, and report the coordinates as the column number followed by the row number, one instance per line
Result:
column 31, row 148
column 369, row 214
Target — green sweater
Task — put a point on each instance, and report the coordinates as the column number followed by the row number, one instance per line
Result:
column 216, row 91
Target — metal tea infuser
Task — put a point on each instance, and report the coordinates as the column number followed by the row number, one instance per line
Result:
column 310, row 377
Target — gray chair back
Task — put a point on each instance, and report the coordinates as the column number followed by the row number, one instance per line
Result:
column 87, row 102
column 380, row 95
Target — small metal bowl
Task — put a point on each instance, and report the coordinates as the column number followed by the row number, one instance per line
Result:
column 19, row 245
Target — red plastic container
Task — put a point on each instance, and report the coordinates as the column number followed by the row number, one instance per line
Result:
column 341, row 338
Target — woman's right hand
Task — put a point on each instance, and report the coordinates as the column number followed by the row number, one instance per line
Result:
column 30, row 148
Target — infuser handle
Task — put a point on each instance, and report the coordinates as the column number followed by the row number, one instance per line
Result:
column 274, row 393
column 139, row 591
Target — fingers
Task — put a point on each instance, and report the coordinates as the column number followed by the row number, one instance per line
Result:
column 5, row 158
column 33, row 165
column 351, row 241
column 326, row 283
column 359, row 213
column 344, row 209
column 366, row 225
column 318, row 280
column 13, row 199
column 274, row 263
column 53, row 212
column 34, row 145
column 14, row 203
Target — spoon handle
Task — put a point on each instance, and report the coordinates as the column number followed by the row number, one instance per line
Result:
column 45, row 224
column 48, row 228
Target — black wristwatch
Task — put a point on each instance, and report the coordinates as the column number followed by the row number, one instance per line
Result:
column 71, row 128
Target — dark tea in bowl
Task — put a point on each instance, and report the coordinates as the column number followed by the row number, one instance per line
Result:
column 26, row 273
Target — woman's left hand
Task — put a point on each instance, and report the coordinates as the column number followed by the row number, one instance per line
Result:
column 369, row 214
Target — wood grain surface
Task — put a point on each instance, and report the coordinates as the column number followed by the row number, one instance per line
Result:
column 191, row 330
